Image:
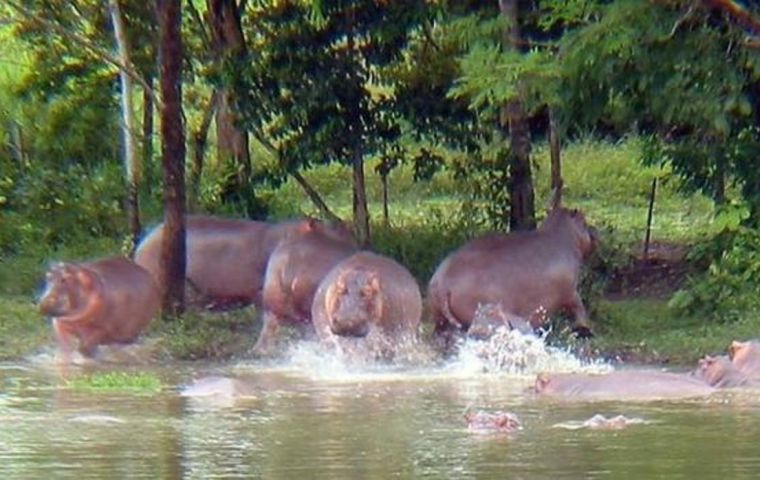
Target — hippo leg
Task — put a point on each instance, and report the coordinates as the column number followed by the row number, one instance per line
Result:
column 64, row 339
column 269, row 331
column 582, row 327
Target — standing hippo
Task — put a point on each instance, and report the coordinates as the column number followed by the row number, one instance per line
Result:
column 623, row 385
column 368, row 305
column 528, row 275
column 226, row 258
column 745, row 356
column 295, row 269
column 101, row 302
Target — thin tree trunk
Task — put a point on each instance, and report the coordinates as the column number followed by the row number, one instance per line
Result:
column 232, row 142
column 131, row 160
column 199, row 151
column 147, row 138
column 361, row 214
column 521, row 209
column 384, row 180
column 554, row 152
column 315, row 198
column 173, row 252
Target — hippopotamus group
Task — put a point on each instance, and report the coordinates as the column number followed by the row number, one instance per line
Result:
column 527, row 275
column 106, row 301
column 740, row 368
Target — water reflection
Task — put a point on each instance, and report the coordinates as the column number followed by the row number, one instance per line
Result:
column 308, row 418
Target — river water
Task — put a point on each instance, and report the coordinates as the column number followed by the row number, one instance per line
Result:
column 312, row 417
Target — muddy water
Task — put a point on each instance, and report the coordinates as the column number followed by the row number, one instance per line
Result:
column 314, row 417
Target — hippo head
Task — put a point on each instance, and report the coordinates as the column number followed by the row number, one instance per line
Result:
column 712, row 369
column 572, row 222
column 354, row 303
column 65, row 290
column 543, row 383
column 336, row 230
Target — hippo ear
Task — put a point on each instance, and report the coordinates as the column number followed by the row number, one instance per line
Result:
column 734, row 348
column 85, row 278
column 542, row 380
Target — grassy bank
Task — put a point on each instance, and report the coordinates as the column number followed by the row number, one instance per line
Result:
column 603, row 179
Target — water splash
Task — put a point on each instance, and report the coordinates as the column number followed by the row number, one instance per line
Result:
column 600, row 422
column 515, row 353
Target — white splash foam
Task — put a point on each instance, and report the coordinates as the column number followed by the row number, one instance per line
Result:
column 514, row 353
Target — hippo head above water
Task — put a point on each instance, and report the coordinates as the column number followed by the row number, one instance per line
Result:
column 336, row 230
column 66, row 286
column 354, row 303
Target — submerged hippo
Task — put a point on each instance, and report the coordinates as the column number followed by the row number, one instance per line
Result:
column 492, row 422
column 226, row 258
column 368, row 305
column 745, row 356
column 105, row 301
column 218, row 387
column 528, row 275
column 294, row 271
column 719, row 372
column 623, row 385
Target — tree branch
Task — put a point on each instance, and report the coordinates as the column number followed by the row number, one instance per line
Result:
column 83, row 42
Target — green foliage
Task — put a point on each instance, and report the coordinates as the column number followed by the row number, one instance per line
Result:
column 141, row 382
column 727, row 290
column 208, row 335
column 22, row 328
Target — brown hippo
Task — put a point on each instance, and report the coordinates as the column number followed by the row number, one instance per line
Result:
column 719, row 372
column 101, row 302
column 295, row 269
column 529, row 275
column 745, row 356
column 490, row 317
column 492, row 422
column 623, row 385
column 226, row 258
column 368, row 305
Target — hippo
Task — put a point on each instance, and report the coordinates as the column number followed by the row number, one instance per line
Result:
column 490, row 317
column 367, row 305
column 493, row 422
column 226, row 258
column 296, row 267
column 745, row 356
column 529, row 275
column 218, row 386
column 106, row 301
column 719, row 372
column 623, row 385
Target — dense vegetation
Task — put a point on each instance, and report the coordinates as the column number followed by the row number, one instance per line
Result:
column 448, row 109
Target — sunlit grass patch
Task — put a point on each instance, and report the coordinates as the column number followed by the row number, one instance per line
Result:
column 141, row 382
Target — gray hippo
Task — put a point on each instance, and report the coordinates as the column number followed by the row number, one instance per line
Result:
column 367, row 305
column 106, row 301
column 622, row 385
column 294, row 271
column 226, row 258
column 528, row 275
column 720, row 372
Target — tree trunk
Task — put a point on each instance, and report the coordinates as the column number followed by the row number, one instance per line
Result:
column 173, row 254
column 384, row 180
column 228, row 43
column 199, row 151
column 147, row 138
column 361, row 214
column 131, row 160
column 554, row 152
column 521, row 198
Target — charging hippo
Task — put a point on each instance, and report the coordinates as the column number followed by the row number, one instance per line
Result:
column 101, row 302
column 368, row 305
column 226, row 258
column 623, row 385
column 719, row 372
column 745, row 356
column 528, row 275
column 296, row 267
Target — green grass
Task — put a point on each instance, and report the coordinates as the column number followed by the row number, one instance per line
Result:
column 22, row 329
column 117, row 382
column 647, row 330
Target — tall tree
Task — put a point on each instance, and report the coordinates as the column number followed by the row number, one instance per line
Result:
column 131, row 159
column 173, row 249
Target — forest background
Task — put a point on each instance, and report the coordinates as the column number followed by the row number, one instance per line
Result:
column 424, row 123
